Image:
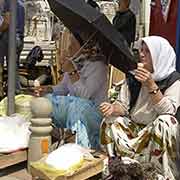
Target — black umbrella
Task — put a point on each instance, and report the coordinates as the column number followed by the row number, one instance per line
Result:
column 82, row 19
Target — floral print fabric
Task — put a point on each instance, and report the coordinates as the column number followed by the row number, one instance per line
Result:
column 155, row 142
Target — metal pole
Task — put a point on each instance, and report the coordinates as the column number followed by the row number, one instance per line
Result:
column 12, row 58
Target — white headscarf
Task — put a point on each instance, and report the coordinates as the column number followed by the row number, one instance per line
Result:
column 163, row 57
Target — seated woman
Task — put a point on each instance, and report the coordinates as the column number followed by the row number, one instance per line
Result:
column 76, row 98
column 146, row 130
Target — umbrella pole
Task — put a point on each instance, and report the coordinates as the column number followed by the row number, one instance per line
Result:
column 79, row 51
column 12, row 58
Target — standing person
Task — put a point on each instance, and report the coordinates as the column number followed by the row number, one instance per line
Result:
column 4, row 35
column 4, row 17
column 146, row 130
column 125, row 21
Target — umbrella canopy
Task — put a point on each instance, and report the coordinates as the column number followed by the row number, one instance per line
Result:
column 81, row 18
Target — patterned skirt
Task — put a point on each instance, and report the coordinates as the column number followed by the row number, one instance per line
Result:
column 153, row 143
column 79, row 115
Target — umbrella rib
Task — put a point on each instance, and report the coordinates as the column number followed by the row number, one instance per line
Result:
column 79, row 51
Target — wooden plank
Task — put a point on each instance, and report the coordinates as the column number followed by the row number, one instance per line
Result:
column 89, row 169
column 37, row 174
column 13, row 158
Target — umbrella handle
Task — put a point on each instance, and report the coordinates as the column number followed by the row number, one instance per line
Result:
column 109, row 57
column 80, row 50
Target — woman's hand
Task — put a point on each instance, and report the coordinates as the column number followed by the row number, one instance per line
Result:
column 42, row 91
column 68, row 67
column 142, row 74
column 114, row 109
column 107, row 109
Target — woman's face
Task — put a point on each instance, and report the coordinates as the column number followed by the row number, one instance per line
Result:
column 145, row 57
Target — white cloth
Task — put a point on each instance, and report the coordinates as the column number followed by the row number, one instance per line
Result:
column 164, row 63
column 163, row 57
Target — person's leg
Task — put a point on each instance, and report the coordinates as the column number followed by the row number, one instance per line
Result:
column 65, row 115
column 163, row 145
column 84, row 118
column 120, row 136
column 60, row 106
column 154, row 143
column 79, row 115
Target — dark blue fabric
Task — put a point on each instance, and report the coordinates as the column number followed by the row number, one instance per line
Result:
column 4, row 36
column 6, row 5
column 19, row 30
column 20, row 16
column 178, row 39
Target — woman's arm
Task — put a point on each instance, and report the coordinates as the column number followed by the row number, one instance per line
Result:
column 120, row 106
column 144, row 76
column 93, row 77
column 115, row 109
column 170, row 101
column 163, row 103
column 154, row 91
column 5, row 22
column 61, row 89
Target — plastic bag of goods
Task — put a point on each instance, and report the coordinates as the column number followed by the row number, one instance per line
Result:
column 22, row 104
column 14, row 133
column 64, row 160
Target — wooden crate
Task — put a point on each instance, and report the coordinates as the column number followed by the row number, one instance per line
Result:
column 89, row 169
column 7, row 160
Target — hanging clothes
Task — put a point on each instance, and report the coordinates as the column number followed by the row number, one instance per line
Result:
column 165, row 6
column 163, row 19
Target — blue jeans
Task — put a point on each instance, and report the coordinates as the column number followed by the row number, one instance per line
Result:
column 80, row 115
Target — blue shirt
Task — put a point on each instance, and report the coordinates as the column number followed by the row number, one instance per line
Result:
column 20, row 15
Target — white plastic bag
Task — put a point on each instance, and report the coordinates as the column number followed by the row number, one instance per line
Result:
column 68, row 157
column 14, row 133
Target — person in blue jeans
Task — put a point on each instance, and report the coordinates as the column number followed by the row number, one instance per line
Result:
column 4, row 34
column 76, row 99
